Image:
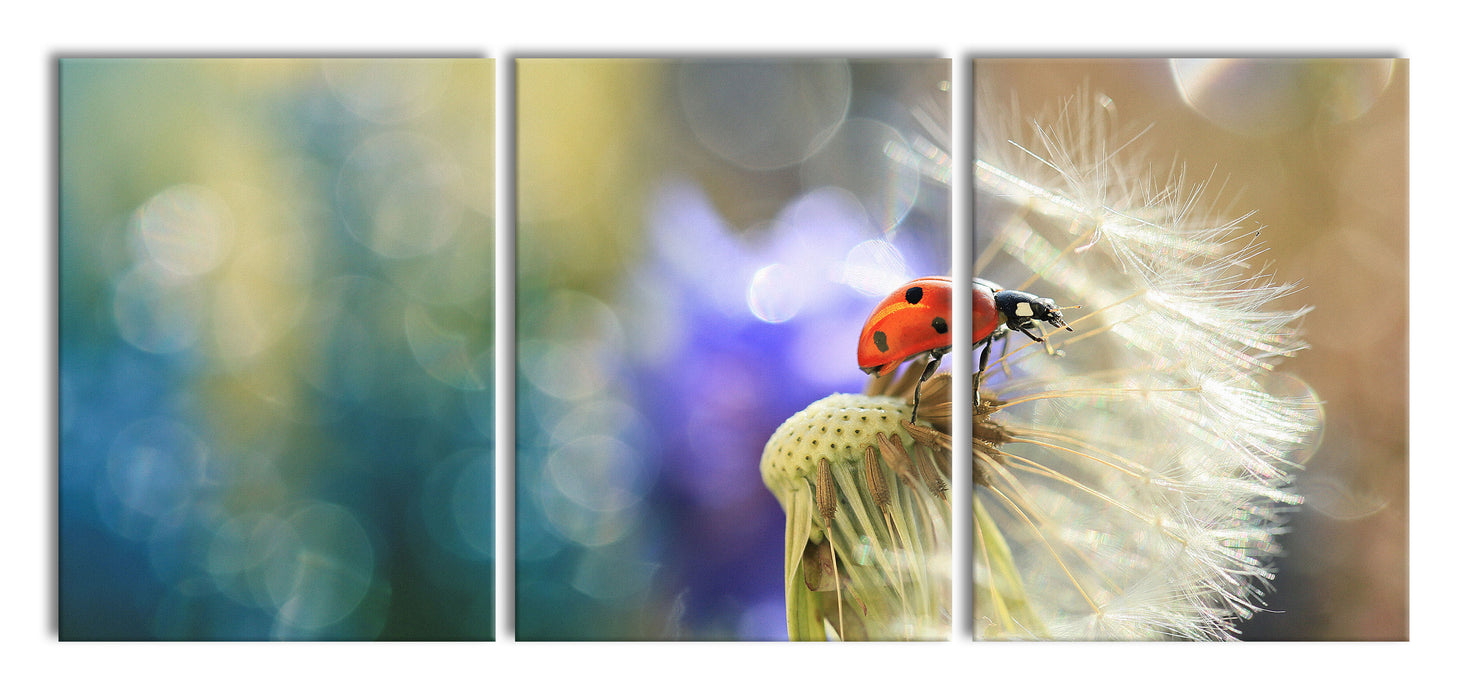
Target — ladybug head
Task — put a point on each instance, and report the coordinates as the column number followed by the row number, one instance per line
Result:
column 1023, row 308
column 1048, row 312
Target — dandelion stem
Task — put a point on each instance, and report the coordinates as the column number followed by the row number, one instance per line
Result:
column 1046, row 541
column 1096, row 376
column 1000, row 610
column 1024, row 500
column 1073, row 393
column 1086, row 439
column 1091, row 333
column 826, row 506
column 840, row 615
column 1078, row 453
column 1042, row 470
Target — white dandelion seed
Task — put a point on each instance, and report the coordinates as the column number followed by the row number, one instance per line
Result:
column 1140, row 480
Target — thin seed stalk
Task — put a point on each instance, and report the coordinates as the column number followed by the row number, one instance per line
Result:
column 1005, row 590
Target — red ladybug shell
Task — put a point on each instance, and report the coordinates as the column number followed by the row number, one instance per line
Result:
column 913, row 321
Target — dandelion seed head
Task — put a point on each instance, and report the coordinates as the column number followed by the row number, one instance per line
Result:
column 868, row 545
column 836, row 428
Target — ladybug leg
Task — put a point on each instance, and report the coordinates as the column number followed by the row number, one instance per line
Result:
column 1003, row 362
column 983, row 362
column 917, row 390
column 1039, row 339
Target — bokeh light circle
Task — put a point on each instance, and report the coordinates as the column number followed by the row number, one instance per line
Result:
column 577, row 339
column 186, row 229
column 873, row 161
column 774, row 294
column 400, row 194
column 764, row 115
column 238, row 553
column 1293, row 390
column 155, row 465
column 875, row 267
column 157, row 311
column 321, row 566
column 447, row 353
column 583, row 526
column 1262, row 97
column 457, row 504
column 599, row 472
column 385, row 91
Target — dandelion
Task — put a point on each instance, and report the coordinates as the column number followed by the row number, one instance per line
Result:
column 1131, row 477
column 868, row 527
column 1140, row 480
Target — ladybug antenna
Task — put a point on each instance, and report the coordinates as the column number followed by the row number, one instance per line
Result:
column 1062, row 321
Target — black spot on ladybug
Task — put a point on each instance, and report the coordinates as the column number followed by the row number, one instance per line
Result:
column 880, row 339
column 940, row 325
column 914, row 295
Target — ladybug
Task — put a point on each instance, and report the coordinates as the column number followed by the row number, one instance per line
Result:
column 912, row 322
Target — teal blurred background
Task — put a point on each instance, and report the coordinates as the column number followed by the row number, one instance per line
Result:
column 697, row 245
column 276, row 302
